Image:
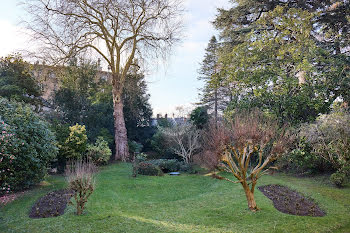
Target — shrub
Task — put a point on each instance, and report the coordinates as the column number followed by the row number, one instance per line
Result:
column 303, row 160
column 26, row 146
column 158, row 144
column 135, row 147
column 99, row 153
column 80, row 178
column 214, row 139
column 166, row 165
column 76, row 144
column 338, row 179
column 169, row 165
column 191, row 168
column 186, row 167
column 62, row 133
column 135, row 163
column 149, row 169
column 329, row 137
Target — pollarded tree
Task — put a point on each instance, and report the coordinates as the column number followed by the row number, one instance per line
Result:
column 246, row 148
column 127, row 29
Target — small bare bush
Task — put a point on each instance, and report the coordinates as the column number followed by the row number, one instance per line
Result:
column 80, row 178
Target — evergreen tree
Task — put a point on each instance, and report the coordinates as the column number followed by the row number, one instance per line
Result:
column 214, row 93
column 17, row 82
column 278, row 55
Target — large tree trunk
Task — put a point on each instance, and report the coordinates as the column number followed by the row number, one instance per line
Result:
column 120, row 133
column 216, row 105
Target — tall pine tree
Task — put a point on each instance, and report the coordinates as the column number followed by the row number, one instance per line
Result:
column 214, row 94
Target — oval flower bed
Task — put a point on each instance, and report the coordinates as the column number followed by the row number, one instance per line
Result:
column 289, row 201
column 52, row 204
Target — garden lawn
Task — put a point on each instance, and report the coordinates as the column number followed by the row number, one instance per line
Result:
column 186, row 203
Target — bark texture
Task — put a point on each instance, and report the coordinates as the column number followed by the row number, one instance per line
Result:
column 250, row 197
column 121, row 138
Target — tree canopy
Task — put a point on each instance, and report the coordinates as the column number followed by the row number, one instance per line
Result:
column 126, row 31
column 17, row 82
column 287, row 57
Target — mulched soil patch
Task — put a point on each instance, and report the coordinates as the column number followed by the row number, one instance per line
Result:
column 52, row 204
column 289, row 201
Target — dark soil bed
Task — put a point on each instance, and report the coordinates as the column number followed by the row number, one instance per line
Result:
column 52, row 204
column 291, row 202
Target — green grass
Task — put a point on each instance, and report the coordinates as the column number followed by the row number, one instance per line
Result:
column 186, row 203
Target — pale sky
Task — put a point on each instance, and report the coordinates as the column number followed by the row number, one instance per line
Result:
column 171, row 85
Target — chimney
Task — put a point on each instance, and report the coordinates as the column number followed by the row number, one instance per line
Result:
column 166, row 116
column 158, row 116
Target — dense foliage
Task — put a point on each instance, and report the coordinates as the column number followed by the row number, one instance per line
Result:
column 99, row 152
column 17, row 82
column 75, row 144
column 288, row 58
column 199, row 117
column 329, row 137
column 84, row 97
column 149, row 169
column 27, row 146
column 167, row 165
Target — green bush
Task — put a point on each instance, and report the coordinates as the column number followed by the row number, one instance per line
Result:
column 149, row 169
column 26, row 146
column 303, row 160
column 191, row 168
column 161, row 147
column 100, row 152
column 134, row 147
column 167, row 165
column 141, row 157
column 329, row 137
column 62, row 132
column 76, row 144
column 338, row 179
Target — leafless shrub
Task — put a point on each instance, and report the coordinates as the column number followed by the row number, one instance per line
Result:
column 183, row 139
column 80, row 178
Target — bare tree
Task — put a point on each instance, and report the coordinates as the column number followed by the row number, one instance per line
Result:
column 184, row 139
column 119, row 31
